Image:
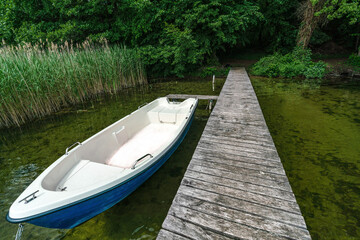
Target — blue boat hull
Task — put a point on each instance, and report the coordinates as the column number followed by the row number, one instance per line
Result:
column 76, row 213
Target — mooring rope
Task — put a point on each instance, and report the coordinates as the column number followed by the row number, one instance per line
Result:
column 19, row 232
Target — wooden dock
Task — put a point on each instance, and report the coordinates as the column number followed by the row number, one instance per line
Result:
column 186, row 96
column 235, row 186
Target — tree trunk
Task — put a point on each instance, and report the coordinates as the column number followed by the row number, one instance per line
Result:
column 309, row 22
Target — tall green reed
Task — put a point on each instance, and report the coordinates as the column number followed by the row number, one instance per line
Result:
column 36, row 80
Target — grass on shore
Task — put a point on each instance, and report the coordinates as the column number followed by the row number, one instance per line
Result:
column 36, row 81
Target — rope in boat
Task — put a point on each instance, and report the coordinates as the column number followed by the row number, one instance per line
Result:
column 19, row 232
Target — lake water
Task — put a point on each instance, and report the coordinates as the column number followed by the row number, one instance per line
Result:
column 316, row 131
column 26, row 152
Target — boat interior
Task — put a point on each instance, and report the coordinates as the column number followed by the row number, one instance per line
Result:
column 126, row 144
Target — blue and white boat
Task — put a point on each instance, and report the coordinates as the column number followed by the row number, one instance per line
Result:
column 101, row 171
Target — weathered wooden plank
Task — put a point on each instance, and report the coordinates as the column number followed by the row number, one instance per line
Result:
column 233, row 158
column 166, row 235
column 188, row 229
column 222, row 167
column 267, row 156
column 239, row 141
column 186, row 96
column 253, row 188
column 250, row 126
column 244, row 134
column 240, row 217
column 251, row 105
column 248, row 113
column 240, row 176
column 222, row 187
column 239, row 117
column 243, row 137
column 240, row 164
column 222, row 146
column 245, row 206
column 238, row 156
column 228, row 228
column 239, row 128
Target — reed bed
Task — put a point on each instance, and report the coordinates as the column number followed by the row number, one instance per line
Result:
column 36, row 80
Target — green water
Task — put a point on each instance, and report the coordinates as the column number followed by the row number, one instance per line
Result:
column 317, row 134
column 26, row 152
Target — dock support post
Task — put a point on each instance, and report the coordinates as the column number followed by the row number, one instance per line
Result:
column 213, row 84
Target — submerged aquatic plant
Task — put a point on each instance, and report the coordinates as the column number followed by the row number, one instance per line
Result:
column 37, row 80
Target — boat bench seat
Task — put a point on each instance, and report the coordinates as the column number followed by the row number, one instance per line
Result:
column 165, row 114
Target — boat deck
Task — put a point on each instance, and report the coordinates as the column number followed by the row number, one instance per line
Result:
column 235, row 186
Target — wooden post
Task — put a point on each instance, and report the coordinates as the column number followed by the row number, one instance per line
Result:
column 213, row 83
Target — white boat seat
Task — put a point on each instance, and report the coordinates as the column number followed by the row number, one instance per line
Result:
column 87, row 173
column 164, row 114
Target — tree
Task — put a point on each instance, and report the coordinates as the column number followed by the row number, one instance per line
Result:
column 344, row 8
column 187, row 34
column 310, row 21
column 278, row 28
column 313, row 11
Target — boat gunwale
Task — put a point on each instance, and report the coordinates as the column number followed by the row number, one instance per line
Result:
column 159, row 156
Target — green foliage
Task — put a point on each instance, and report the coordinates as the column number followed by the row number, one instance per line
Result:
column 338, row 9
column 319, row 37
column 278, row 29
column 294, row 64
column 354, row 60
column 174, row 37
column 35, row 82
column 217, row 71
column 315, row 70
column 194, row 32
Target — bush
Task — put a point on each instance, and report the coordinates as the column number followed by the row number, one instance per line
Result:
column 294, row 64
column 315, row 70
column 217, row 71
column 354, row 60
column 267, row 66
